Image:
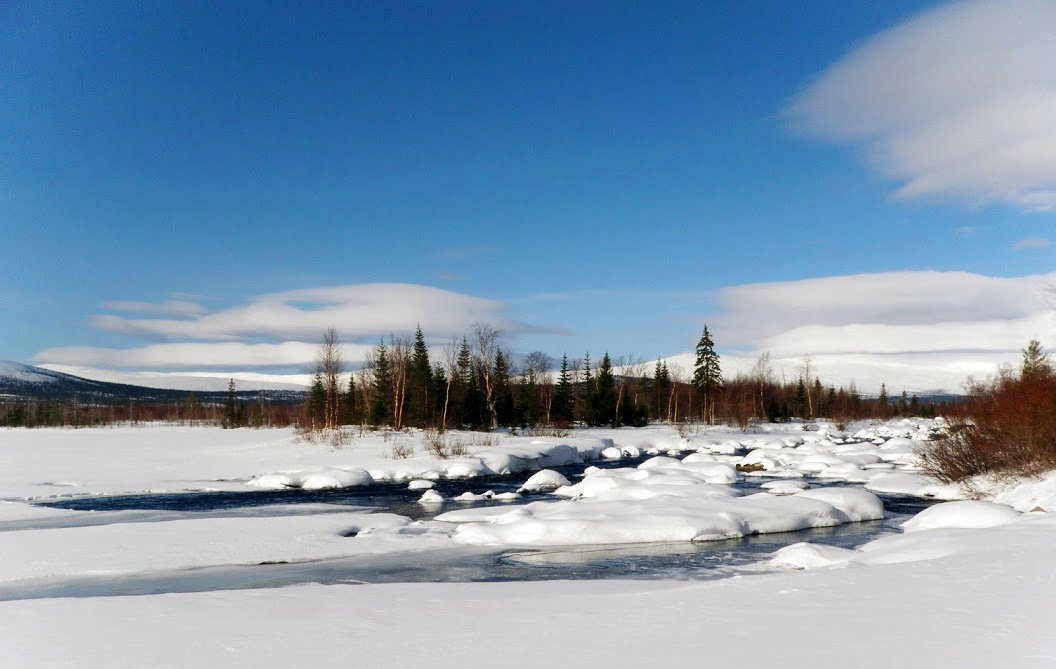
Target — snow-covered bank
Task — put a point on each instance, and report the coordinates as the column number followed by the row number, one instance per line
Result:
column 46, row 463
column 989, row 606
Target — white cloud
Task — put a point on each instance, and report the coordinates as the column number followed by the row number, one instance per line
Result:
column 957, row 102
column 927, row 330
column 1031, row 243
column 196, row 355
column 358, row 311
column 168, row 308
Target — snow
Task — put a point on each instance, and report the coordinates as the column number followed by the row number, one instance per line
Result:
column 968, row 513
column 987, row 605
column 969, row 585
column 546, row 479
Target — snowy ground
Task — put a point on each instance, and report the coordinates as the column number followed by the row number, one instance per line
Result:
column 968, row 584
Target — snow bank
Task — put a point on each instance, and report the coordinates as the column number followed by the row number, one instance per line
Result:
column 969, row 513
column 313, row 479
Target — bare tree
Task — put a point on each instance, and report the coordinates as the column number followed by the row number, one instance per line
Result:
column 538, row 364
column 330, row 366
column 486, row 339
column 450, row 355
column 806, row 372
column 762, row 374
column 400, row 362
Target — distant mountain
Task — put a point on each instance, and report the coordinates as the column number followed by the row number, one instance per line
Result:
column 26, row 382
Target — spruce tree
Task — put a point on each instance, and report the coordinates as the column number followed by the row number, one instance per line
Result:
column 230, row 409
column 505, row 411
column 707, row 377
column 561, row 410
column 317, row 403
column 420, row 382
column 799, row 399
column 351, row 405
column 586, row 391
column 1035, row 361
column 914, row 406
column 380, row 411
column 602, row 407
column 528, row 400
column 883, row 395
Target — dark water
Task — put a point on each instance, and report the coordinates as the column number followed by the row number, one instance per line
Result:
column 706, row 560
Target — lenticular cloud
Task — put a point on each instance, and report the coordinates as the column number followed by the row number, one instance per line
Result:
column 957, row 103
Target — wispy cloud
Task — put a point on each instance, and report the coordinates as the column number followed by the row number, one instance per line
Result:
column 958, row 102
column 1031, row 243
column 168, row 308
column 965, row 230
column 358, row 311
column 282, row 329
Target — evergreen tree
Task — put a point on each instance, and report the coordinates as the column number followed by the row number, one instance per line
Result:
column 661, row 387
column 381, row 406
column 903, row 404
column 317, row 403
column 1035, row 361
column 602, row 404
column 230, row 410
column 883, row 395
column 439, row 389
column 586, row 391
column 914, row 406
column 256, row 417
column 505, row 411
column 820, row 409
column 351, row 404
column 528, row 400
column 561, row 410
column 799, row 399
column 420, row 382
column 707, row 377
column 475, row 413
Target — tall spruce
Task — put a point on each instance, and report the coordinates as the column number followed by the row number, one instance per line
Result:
column 420, row 382
column 381, row 404
column 317, row 403
column 561, row 411
column 230, row 409
column 603, row 401
column 1035, row 361
column 707, row 376
column 505, row 410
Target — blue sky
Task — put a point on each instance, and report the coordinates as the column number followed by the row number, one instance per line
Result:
column 599, row 169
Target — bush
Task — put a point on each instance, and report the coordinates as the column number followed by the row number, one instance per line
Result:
column 1007, row 428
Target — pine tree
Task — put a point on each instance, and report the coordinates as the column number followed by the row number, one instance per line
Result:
column 707, row 377
column 1035, row 361
column 903, row 404
column 561, row 411
column 914, row 406
column 799, row 399
column 505, row 411
column 420, row 382
column 528, row 400
column 602, row 407
column 230, row 410
column 586, row 391
column 351, row 405
column 662, row 387
column 256, row 417
column 883, row 395
column 317, row 403
column 380, row 411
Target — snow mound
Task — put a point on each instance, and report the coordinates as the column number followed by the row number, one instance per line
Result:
column 963, row 514
column 420, row 484
column 703, row 516
column 546, row 479
column 314, row 479
column 430, row 497
column 812, row 556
